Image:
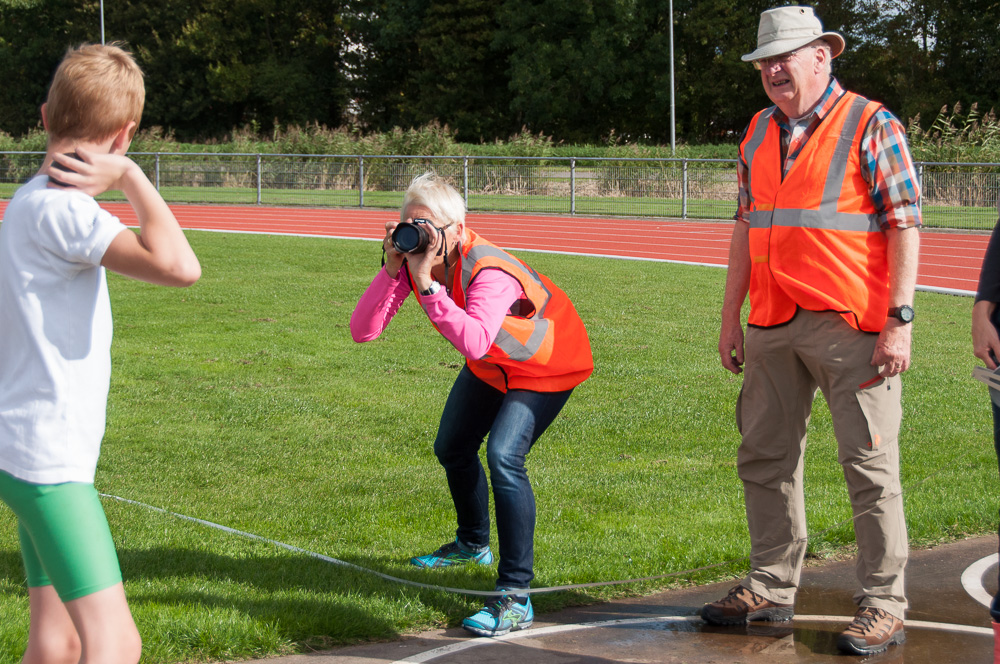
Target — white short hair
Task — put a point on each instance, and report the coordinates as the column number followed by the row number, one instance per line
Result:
column 434, row 193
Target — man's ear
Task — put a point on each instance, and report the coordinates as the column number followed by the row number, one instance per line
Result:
column 123, row 139
column 822, row 56
column 45, row 119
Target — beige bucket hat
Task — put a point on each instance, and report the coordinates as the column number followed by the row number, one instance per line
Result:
column 785, row 29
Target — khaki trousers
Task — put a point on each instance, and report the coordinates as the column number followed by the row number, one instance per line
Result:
column 784, row 367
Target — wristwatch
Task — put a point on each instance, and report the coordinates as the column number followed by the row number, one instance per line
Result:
column 435, row 287
column 902, row 313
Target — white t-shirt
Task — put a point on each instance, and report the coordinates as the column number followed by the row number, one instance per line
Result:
column 55, row 333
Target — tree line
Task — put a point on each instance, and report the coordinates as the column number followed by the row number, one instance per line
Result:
column 580, row 71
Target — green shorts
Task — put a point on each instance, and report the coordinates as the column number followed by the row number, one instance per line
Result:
column 65, row 539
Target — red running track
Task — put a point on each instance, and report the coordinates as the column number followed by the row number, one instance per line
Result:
column 948, row 261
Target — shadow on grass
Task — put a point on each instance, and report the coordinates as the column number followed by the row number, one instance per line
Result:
column 192, row 602
column 313, row 603
column 306, row 599
column 12, row 566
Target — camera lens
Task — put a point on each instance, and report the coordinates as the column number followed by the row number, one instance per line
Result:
column 410, row 238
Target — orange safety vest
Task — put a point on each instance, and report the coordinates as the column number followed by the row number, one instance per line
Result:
column 542, row 345
column 815, row 240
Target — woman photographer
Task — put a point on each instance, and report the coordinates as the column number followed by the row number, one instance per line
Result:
column 525, row 348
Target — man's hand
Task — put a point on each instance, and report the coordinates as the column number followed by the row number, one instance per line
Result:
column 985, row 342
column 731, row 347
column 892, row 350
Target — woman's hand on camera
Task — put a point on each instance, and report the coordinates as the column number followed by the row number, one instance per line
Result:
column 393, row 259
column 420, row 265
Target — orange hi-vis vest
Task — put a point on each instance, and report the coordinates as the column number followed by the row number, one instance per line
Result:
column 542, row 345
column 815, row 240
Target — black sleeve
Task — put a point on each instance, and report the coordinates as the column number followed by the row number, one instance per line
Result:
column 989, row 275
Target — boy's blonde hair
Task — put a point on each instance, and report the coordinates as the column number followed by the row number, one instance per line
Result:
column 96, row 91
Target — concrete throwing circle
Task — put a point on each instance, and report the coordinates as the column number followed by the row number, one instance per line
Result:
column 667, row 639
column 972, row 579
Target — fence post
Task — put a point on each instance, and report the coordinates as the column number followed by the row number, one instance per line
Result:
column 920, row 184
column 157, row 171
column 465, row 180
column 259, row 173
column 361, row 180
column 684, row 189
column 572, row 185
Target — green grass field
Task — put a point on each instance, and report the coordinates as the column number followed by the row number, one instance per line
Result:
column 243, row 401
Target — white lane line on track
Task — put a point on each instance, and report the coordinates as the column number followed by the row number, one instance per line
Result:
column 452, row 648
column 960, row 292
column 510, row 248
column 972, row 579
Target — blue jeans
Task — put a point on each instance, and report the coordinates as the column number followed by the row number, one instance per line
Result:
column 514, row 421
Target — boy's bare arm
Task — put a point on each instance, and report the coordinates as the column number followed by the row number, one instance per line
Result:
column 160, row 253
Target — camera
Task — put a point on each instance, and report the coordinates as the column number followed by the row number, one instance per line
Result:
column 413, row 237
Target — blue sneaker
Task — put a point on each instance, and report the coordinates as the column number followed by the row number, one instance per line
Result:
column 454, row 553
column 501, row 615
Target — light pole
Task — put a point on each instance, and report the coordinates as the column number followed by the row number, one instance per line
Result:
column 673, row 144
column 102, row 22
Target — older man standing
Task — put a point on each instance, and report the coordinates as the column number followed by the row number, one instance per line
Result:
column 825, row 245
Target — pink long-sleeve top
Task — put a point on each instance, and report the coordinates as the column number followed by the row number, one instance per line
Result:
column 471, row 330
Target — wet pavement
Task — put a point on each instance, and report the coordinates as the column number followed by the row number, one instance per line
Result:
column 945, row 623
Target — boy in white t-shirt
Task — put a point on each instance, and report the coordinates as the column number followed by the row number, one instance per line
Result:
column 55, row 365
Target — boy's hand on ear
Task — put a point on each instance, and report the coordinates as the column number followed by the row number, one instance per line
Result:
column 90, row 172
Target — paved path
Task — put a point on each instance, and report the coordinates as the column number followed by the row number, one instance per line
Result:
column 945, row 624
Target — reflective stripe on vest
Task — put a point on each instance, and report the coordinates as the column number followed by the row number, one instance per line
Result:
column 827, row 217
column 831, row 221
column 756, row 139
column 514, row 348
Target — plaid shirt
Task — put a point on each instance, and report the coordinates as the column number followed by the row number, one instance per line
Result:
column 885, row 162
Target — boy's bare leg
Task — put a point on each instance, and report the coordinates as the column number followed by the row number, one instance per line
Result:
column 52, row 636
column 107, row 631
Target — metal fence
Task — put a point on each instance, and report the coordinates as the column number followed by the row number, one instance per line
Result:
column 958, row 196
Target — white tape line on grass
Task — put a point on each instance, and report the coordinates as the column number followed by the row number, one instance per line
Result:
column 453, row 648
column 396, row 579
column 415, row 584
column 295, row 549
column 495, row 593
column 972, row 579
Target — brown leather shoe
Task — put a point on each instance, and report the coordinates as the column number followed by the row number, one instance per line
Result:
column 742, row 605
column 872, row 631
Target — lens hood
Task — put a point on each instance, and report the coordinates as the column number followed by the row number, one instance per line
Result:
column 411, row 237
